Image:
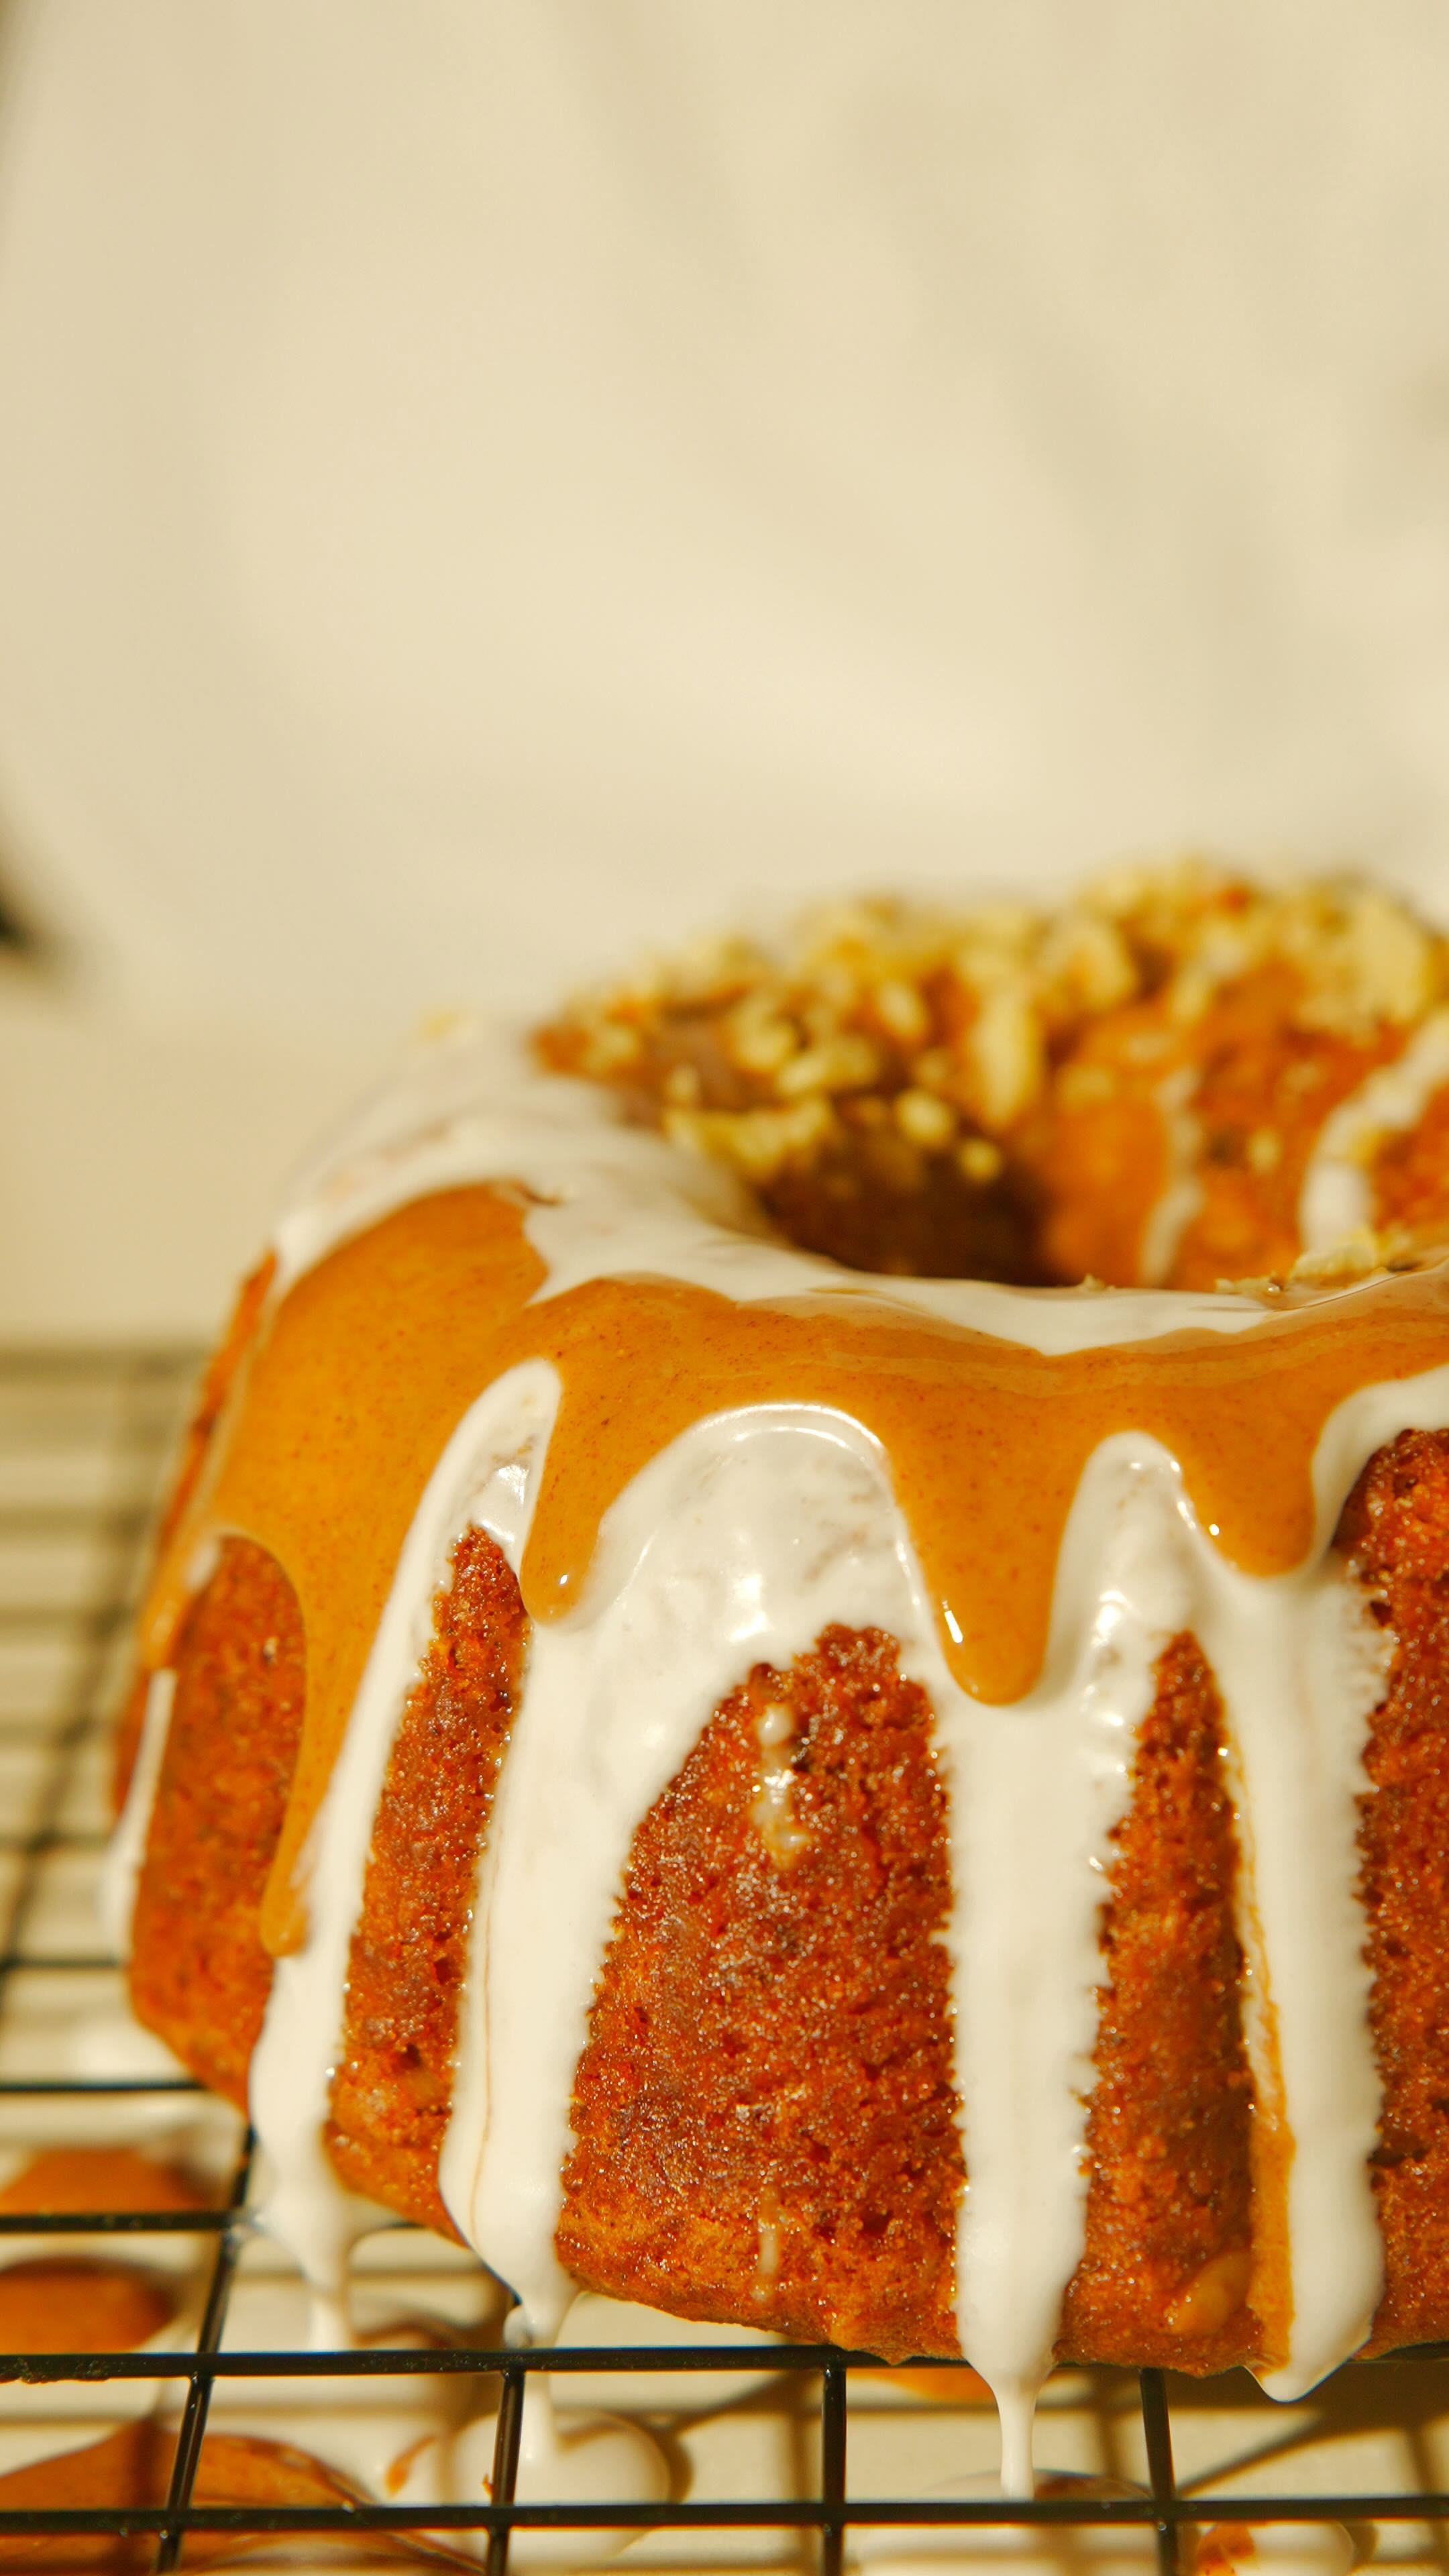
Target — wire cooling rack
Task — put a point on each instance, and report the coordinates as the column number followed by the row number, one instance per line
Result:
column 823, row 2457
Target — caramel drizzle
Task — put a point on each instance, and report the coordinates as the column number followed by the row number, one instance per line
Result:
column 364, row 1369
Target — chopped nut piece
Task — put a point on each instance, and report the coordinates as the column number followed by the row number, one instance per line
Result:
column 1191, row 992
column 1083, row 1086
column 844, row 1063
column 927, row 1120
column 1211, row 2296
column 1089, row 958
column 759, row 1142
column 773, row 1811
column 1396, row 977
column 756, row 1038
column 1147, row 1046
column 1354, row 1258
column 934, row 1070
column 902, row 1011
column 979, row 1161
column 608, row 1047
column 1007, row 1056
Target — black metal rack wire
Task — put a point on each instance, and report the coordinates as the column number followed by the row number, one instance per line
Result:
column 126, row 1408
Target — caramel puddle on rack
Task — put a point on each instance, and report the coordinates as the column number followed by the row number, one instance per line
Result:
column 71, row 2181
column 77, row 2306
column 60, row 2302
column 133, row 2468
column 358, row 1377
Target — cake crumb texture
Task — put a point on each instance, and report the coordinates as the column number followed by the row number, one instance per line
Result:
column 1395, row 1531
column 1165, row 2271
column 200, row 1977
column 409, row 1955
column 765, row 2122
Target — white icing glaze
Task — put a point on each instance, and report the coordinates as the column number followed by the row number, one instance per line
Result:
column 1035, row 1790
column 565, row 2456
column 1336, row 1202
column 121, row 1868
column 1299, row 1676
column 736, row 1545
column 358, row 2426
column 944, row 2549
column 486, row 1478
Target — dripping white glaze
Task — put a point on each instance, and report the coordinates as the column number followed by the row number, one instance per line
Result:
column 1035, row 1791
column 1336, row 1201
column 485, row 1479
column 944, row 2549
column 738, row 1544
column 566, row 2455
column 735, row 1546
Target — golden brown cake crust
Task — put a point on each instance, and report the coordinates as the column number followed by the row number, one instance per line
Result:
column 764, row 2113
column 408, row 1959
column 1395, row 1530
column 1164, row 2273
column 200, row 1976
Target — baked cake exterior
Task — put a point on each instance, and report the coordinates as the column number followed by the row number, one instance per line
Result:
column 908, row 1810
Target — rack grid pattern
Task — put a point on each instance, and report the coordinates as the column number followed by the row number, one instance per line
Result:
column 85, row 1438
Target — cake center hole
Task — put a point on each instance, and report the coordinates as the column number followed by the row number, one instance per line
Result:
column 920, row 1218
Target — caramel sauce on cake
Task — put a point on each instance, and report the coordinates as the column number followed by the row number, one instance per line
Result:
column 372, row 1358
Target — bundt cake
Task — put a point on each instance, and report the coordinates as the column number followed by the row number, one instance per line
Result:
column 910, row 1808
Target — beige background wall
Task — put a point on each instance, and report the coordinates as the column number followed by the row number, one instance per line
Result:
column 484, row 484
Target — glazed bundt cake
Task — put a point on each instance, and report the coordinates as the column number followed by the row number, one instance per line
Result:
column 911, row 1808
